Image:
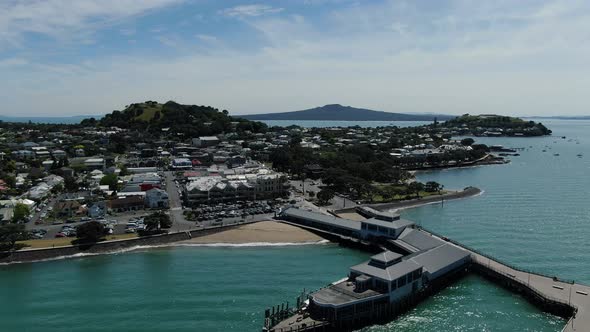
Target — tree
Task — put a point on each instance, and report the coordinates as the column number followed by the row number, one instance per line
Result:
column 70, row 184
column 325, row 195
column 109, row 180
column 9, row 234
column 21, row 212
column 432, row 186
column 57, row 188
column 157, row 221
column 90, row 232
column 467, row 141
column 10, row 180
column 415, row 188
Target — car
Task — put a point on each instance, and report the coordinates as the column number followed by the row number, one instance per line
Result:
column 57, row 222
column 85, row 219
column 60, row 234
column 130, row 230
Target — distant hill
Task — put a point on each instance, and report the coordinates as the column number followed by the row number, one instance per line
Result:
column 189, row 120
column 561, row 117
column 496, row 125
column 337, row 112
column 49, row 119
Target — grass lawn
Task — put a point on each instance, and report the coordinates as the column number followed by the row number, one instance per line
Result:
column 379, row 199
column 66, row 241
column 148, row 112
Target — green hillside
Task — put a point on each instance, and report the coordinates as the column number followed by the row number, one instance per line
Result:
column 510, row 126
column 190, row 120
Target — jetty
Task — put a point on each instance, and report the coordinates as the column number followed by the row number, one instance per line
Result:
column 411, row 264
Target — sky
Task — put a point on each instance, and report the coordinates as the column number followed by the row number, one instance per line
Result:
column 79, row 57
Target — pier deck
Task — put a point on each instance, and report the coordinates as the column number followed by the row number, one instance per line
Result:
column 574, row 295
column 552, row 294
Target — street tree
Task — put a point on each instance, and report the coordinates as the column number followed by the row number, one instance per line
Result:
column 90, row 232
column 21, row 212
column 9, row 234
column 325, row 196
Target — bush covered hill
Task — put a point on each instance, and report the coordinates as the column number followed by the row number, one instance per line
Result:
column 190, row 120
column 506, row 125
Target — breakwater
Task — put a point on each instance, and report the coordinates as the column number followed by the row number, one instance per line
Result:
column 416, row 202
column 32, row 255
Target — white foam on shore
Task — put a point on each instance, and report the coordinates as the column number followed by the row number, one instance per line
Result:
column 147, row 247
column 251, row 244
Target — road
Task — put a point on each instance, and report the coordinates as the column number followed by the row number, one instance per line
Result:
column 179, row 222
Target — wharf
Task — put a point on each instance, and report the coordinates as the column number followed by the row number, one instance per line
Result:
column 564, row 298
column 550, row 293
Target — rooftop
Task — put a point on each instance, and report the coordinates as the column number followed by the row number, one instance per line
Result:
column 390, row 273
column 322, row 218
column 342, row 293
column 386, row 257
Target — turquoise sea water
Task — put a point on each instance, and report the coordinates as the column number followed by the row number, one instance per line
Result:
column 533, row 213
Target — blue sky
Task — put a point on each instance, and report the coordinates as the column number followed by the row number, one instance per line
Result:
column 64, row 57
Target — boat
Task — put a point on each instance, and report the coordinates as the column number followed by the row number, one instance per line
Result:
column 556, row 154
column 580, row 155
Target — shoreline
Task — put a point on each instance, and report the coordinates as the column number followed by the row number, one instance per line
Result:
column 418, row 202
column 253, row 234
column 263, row 232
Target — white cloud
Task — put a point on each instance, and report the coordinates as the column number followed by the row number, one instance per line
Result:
column 65, row 18
column 251, row 10
column 464, row 57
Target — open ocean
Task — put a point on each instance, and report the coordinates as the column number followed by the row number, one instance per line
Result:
column 534, row 213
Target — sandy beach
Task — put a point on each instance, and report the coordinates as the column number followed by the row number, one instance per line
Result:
column 261, row 232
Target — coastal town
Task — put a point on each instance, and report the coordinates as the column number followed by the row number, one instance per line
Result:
column 104, row 185
column 55, row 178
